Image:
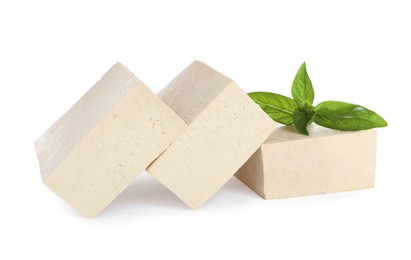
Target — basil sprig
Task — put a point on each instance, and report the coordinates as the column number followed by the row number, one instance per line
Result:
column 301, row 112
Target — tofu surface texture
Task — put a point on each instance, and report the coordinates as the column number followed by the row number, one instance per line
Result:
column 98, row 147
column 225, row 127
column 289, row 164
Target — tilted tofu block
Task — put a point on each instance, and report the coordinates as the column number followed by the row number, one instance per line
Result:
column 97, row 148
column 289, row 164
column 225, row 128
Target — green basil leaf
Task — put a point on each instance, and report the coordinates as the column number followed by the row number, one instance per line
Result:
column 302, row 119
column 278, row 107
column 347, row 117
column 302, row 88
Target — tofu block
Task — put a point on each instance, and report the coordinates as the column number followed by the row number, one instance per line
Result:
column 97, row 148
column 225, row 128
column 289, row 164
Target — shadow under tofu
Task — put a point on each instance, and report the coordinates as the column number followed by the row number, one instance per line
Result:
column 233, row 194
column 145, row 194
column 147, row 197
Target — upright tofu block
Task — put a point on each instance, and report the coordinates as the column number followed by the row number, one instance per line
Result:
column 225, row 128
column 97, row 148
column 289, row 164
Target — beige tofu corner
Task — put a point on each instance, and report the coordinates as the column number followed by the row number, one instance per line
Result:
column 97, row 148
column 225, row 128
column 289, row 164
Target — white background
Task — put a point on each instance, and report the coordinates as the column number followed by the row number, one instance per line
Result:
column 52, row 52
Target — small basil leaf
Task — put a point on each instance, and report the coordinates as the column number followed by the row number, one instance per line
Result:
column 302, row 88
column 347, row 117
column 278, row 107
column 302, row 119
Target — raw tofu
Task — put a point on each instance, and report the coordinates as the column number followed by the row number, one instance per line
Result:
column 225, row 128
column 289, row 164
column 97, row 148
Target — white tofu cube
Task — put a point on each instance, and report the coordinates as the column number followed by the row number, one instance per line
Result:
column 97, row 148
column 225, row 128
column 289, row 164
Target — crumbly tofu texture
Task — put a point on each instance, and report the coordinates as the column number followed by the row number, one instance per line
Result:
column 225, row 128
column 289, row 164
column 97, row 148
